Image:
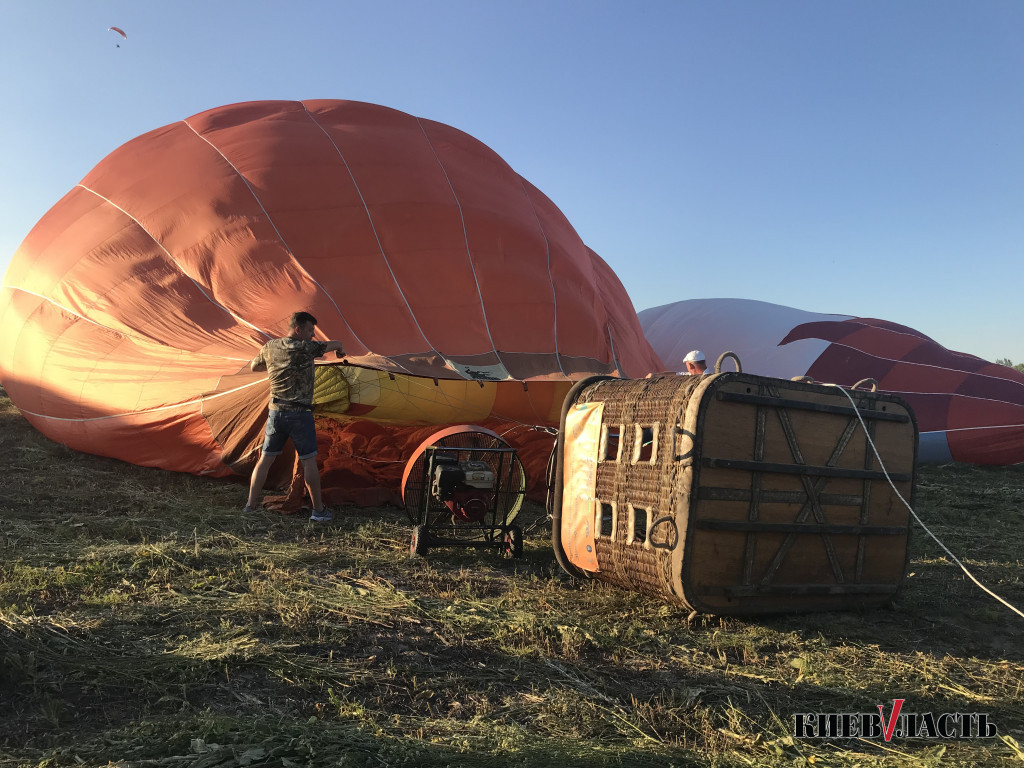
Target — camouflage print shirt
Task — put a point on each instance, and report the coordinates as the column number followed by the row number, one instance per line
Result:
column 290, row 366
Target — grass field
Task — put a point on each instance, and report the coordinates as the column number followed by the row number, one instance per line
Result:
column 145, row 622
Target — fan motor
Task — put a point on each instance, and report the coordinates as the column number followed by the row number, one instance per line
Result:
column 465, row 487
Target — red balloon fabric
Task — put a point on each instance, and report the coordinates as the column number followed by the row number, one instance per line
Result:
column 362, row 462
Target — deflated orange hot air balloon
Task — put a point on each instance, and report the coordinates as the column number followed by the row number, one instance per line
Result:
column 460, row 291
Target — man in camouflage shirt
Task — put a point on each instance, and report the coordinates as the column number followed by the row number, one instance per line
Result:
column 289, row 363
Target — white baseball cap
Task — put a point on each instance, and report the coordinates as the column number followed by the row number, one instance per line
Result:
column 696, row 356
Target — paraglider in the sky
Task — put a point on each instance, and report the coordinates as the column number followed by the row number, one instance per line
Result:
column 462, row 294
column 968, row 409
column 119, row 31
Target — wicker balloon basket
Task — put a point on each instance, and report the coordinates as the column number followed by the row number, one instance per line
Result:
column 735, row 494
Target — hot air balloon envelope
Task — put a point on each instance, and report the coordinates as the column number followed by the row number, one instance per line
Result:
column 459, row 290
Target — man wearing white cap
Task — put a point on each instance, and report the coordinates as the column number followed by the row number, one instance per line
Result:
column 695, row 363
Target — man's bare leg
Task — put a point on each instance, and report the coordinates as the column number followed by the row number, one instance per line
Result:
column 311, row 473
column 259, row 479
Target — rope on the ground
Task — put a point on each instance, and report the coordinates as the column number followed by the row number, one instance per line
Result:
column 914, row 514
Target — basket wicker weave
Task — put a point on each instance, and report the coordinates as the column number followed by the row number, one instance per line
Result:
column 734, row 493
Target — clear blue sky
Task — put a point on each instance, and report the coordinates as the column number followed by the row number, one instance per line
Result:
column 862, row 158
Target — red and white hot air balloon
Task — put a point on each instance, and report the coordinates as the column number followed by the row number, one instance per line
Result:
column 967, row 409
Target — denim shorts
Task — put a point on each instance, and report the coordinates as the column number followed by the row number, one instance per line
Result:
column 297, row 425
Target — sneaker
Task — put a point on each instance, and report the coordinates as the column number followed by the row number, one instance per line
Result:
column 321, row 515
column 247, row 510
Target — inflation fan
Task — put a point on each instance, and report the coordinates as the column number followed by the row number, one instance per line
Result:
column 464, row 486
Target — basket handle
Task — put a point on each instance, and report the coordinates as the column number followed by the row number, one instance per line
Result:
column 721, row 359
column 862, row 382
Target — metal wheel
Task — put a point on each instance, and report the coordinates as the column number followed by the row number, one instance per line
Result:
column 420, row 541
column 514, row 542
column 549, row 499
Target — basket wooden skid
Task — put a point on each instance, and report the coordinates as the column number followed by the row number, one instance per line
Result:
column 734, row 493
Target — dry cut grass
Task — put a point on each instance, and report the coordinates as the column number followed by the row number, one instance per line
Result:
column 145, row 622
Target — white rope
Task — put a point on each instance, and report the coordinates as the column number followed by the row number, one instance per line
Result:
column 914, row 514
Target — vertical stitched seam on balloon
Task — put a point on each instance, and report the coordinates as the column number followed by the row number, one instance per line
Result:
column 551, row 280
column 465, row 237
column 277, row 232
column 139, row 339
column 373, row 228
column 174, row 261
column 611, row 343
